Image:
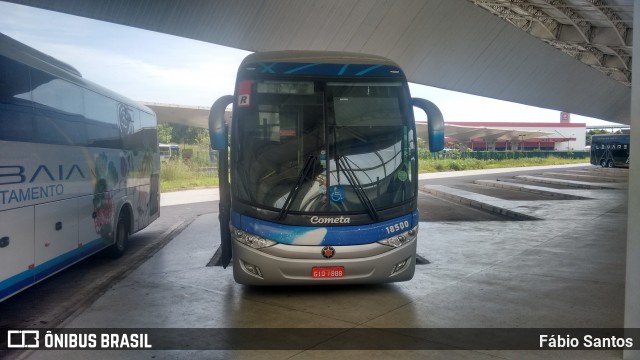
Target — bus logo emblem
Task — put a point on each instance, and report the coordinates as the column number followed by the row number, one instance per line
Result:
column 243, row 101
column 328, row 252
column 244, row 94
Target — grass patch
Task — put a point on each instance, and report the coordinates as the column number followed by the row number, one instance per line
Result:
column 180, row 175
column 431, row 165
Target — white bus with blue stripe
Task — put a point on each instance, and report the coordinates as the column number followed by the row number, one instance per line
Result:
column 79, row 167
column 323, row 169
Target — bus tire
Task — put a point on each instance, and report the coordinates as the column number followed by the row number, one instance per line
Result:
column 121, row 237
column 610, row 164
column 603, row 163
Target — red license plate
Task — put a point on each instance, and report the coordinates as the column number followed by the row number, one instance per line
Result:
column 327, row 272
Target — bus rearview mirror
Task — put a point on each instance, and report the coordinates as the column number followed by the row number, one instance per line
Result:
column 217, row 126
column 435, row 123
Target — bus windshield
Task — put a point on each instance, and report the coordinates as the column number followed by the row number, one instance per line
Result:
column 324, row 147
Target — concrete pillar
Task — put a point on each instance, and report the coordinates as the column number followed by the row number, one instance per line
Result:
column 490, row 142
column 464, row 144
column 632, row 283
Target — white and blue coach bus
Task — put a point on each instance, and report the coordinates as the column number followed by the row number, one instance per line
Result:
column 323, row 169
column 79, row 167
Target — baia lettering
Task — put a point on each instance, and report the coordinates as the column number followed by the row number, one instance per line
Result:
column 17, row 174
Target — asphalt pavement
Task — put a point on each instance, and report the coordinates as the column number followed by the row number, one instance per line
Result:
column 557, row 263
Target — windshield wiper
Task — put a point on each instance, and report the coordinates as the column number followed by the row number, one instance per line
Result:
column 307, row 168
column 357, row 187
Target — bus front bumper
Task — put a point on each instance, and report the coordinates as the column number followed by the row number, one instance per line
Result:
column 257, row 267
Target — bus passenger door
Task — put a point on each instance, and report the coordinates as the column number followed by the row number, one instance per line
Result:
column 16, row 249
column 218, row 134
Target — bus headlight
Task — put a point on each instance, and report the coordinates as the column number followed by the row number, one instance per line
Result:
column 254, row 241
column 400, row 239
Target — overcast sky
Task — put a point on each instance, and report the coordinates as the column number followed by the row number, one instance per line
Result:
column 154, row 67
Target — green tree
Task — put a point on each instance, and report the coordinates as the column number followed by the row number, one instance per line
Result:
column 165, row 133
column 423, row 152
column 594, row 132
column 183, row 134
column 202, row 137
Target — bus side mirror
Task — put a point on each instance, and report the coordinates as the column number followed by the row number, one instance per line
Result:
column 217, row 125
column 435, row 125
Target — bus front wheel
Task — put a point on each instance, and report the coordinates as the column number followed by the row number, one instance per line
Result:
column 121, row 237
column 603, row 163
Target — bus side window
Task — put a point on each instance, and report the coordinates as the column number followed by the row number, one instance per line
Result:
column 58, row 110
column 16, row 117
column 101, row 114
column 149, row 134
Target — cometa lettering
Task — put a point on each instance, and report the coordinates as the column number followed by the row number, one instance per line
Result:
column 330, row 220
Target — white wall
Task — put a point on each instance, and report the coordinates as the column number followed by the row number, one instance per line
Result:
column 577, row 133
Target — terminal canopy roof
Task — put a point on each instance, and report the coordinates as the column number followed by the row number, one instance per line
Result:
column 198, row 117
column 466, row 133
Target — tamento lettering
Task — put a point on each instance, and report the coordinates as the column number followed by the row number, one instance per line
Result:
column 31, row 193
